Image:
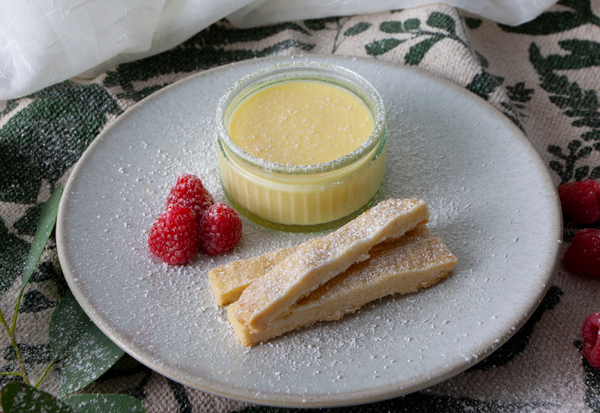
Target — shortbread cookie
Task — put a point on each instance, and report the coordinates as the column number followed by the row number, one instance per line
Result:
column 228, row 281
column 401, row 266
column 317, row 261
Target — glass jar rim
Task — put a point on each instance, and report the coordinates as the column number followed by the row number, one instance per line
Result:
column 326, row 71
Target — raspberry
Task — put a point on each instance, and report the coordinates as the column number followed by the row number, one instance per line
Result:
column 189, row 192
column 591, row 344
column 220, row 229
column 174, row 235
column 581, row 200
column 583, row 255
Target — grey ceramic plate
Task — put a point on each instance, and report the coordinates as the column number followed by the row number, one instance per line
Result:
column 491, row 199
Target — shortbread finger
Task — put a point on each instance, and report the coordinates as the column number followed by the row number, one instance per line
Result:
column 404, row 266
column 317, row 261
column 228, row 281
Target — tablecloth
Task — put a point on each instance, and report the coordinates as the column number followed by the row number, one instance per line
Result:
column 543, row 75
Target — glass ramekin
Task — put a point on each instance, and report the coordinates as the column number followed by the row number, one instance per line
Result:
column 302, row 198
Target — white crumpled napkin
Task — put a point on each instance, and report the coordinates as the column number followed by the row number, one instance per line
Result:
column 43, row 42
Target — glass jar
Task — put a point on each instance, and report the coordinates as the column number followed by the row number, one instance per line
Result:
column 302, row 198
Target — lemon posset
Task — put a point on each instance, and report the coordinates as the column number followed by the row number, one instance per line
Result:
column 302, row 147
column 301, row 123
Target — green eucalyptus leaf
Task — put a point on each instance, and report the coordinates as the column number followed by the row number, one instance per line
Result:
column 68, row 324
column 101, row 403
column 89, row 358
column 42, row 234
column 357, row 29
column 17, row 397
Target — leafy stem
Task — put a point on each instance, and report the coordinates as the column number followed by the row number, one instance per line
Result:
column 14, row 323
column 11, row 337
column 52, row 363
column 40, row 239
column 10, row 373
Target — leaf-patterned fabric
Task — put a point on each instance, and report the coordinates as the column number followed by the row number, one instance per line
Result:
column 543, row 75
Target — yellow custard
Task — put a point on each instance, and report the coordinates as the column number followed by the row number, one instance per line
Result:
column 301, row 147
column 301, row 123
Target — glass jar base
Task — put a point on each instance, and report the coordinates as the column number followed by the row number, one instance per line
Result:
column 302, row 228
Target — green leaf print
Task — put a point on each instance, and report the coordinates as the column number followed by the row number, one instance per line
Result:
column 219, row 34
column 484, row 84
column 43, row 140
column 382, row 46
column 584, row 54
column 442, row 21
column 27, row 224
column 417, row 52
column 566, row 168
column 473, row 23
column 32, row 354
column 188, row 57
column 518, row 93
column 581, row 105
column 393, row 27
column 34, row 301
column 320, row 24
column 358, row 28
column 414, row 29
column 10, row 106
column 412, row 24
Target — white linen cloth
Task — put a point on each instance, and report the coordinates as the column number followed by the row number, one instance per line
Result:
column 46, row 42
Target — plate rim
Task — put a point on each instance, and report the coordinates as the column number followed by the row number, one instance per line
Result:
column 319, row 400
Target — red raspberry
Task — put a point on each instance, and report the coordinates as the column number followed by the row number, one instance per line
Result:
column 190, row 192
column 583, row 255
column 581, row 200
column 591, row 344
column 220, row 229
column 174, row 235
